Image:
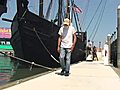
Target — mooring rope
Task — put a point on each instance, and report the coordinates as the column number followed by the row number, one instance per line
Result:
column 32, row 63
column 23, row 15
column 45, row 47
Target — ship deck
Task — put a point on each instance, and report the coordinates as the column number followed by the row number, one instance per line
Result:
column 92, row 75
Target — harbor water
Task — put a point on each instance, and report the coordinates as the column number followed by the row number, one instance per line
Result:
column 12, row 70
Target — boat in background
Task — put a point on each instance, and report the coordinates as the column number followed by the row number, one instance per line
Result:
column 34, row 38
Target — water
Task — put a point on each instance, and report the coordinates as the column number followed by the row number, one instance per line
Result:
column 12, row 70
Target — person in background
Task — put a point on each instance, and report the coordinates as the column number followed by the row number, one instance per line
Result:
column 95, row 53
column 66, row 44
column 89, row 47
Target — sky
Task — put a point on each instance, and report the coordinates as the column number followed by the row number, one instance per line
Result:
column 107, row 24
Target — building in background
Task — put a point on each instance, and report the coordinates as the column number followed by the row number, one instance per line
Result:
column 5, row 35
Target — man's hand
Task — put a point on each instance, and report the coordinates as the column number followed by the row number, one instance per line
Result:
column 72, row 47
column 58, row 49
column 74, row 42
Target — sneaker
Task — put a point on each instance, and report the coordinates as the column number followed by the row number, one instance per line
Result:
column 66, row 73
column 62, row 72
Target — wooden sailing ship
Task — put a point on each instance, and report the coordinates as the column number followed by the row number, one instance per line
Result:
column 34, row 38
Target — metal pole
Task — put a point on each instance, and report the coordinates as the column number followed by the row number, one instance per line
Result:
column 118, row 36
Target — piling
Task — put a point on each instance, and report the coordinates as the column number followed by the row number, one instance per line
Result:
column 118, row 36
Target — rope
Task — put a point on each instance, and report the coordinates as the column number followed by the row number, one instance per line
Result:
column 32, row 63
column 49, row 9
column 100, row 18
column 42, row 42
column 78, row 21
column 86, row 11
column 45, row 47
column 23, row 15
column 93, row 16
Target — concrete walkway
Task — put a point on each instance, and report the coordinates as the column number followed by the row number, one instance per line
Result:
column 84, row 76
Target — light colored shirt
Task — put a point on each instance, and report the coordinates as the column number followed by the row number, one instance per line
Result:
column 89, row 44
column 67, row 36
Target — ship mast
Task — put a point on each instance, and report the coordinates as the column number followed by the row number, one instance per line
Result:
column 41, row 8
column 60, row 13
column 67, row 14
column 68, row 9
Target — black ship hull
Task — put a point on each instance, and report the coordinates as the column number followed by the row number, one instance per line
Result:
column 31, row 35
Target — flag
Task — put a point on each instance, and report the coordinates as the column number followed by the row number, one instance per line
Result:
column 77, row 9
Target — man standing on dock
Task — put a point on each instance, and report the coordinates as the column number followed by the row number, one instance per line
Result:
column 66, row 43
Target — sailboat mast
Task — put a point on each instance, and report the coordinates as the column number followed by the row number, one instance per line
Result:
column 41, row 8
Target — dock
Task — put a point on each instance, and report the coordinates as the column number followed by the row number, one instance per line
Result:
column 92, row 75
